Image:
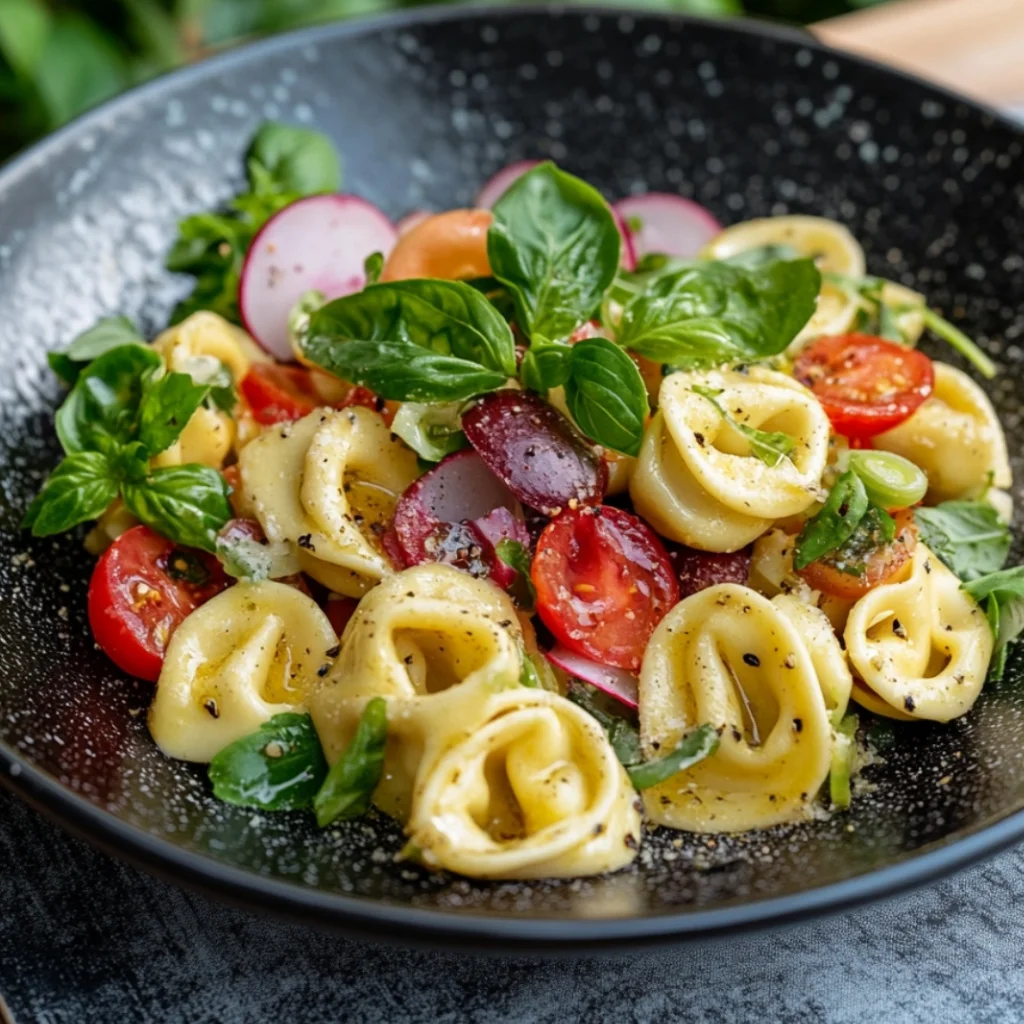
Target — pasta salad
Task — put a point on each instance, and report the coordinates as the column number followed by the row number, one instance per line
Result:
column 531, row 523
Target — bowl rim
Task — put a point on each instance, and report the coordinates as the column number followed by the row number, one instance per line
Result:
column 399, row 922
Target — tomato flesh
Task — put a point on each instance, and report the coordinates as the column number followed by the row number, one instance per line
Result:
column 279, row 394
column 866, row 385
column 604, row 581
column 864, row 563
column 141, row 590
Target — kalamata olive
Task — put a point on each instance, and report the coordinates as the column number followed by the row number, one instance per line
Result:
column 539, row 454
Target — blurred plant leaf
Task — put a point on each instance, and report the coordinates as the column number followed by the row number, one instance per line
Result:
column 24, row 27
column 156, row 32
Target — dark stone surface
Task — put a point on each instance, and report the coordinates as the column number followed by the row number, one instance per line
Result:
column 86, row 940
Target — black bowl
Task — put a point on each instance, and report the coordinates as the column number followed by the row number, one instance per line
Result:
column 748, row 120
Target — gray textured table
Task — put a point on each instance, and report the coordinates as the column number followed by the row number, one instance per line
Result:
column 86, row 940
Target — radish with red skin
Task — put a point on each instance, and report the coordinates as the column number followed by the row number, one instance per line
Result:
column 316, row 244
column 668, row 224
column 627, row 260
column 616, row 682
column 698, row 570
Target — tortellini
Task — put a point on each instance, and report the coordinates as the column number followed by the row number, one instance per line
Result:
column 955, row 437
column 327, row 484
column 727, row 656
column 922, row 645
column 532, row 789
column 254, row 651
column 697, row 480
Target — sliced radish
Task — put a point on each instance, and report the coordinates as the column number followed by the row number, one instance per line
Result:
column 661, row 222
column 316, row 244
column 628, row 258
column 501, row 182
column 498, row 525
column 411, row 220
column 616, row 682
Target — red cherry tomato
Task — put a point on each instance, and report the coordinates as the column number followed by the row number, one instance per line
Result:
column 864, row 561
column 866, row 385
column 339, row 610
column 277, row 394
column 141, row 590
column 604, row 581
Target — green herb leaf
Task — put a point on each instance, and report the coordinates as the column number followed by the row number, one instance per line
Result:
column 167, row 405
column 517, row 556
column 770, row 446
column 79, row 489
column 606, row 395
column 834, row 523
column 106, row 334
column 844, row 749
column 1003, row 596
column 212, row 248
column 349, row 786
column 101, row 410
column 280, row 767
column 554, row 244
column 622, row 734
column 372, row 267
column 528, row 674
column 243, row 557
column 694, row 748
column 431, row 430
column 760, row 255
column 295, row 159
column 24, row 28
column 546, row 365
column 967, row 535
column 189, row 504
column 716, row 312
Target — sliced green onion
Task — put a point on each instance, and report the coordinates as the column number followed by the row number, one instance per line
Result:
column 959, row 341
column 891, row 481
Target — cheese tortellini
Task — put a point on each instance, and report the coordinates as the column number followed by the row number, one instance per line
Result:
column 697, row 480
column 955, row 437
column 729, row 657
column 922, row 645
column 327, row 484
column 254, row 651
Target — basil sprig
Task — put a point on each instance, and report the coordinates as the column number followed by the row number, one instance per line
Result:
column 554, row 244
column 421, row 341
column 770, row 446
column 716, row 312
column 104, row 335
column 121, row 412
column 280, row 767
column 967, row 535
column 350, row 783
column 834, row 523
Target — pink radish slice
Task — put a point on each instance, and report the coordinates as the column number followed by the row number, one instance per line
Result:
column 319, row 243
column 411, row 220
column 628, row 258
column 667, row 223
column 616, row 682
column 498, row 525
column 497, row 186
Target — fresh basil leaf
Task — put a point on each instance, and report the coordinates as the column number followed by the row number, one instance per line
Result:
column 762, row 254
column 834, row 523
column 106, row 334
column 372, row 267
column 546, row 365
column 716, row 312
column 244, row 558
column 770, row 446
column 517, row 556
column 445, row 317
column 189, row 504
column 212, row 248
column 280, row 767
column 79, row 489
column 431, row 430
column 622, row 734
column 1003, row 595
column 167, row 405
column 402, row 372
column 101, row 410
column 606, row 395
column 296, row 160
column 350, row 783
column 692, row 749
column 554, row 244
column 967, row 535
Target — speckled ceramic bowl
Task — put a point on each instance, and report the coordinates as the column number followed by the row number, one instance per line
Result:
column 747, row 120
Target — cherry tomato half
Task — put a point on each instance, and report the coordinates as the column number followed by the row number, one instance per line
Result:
column 865, row 561
column 277, row 393
column 604, row 581
column 866, row 385
column 140, row 592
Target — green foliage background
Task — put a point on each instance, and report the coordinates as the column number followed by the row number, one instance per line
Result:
column 60, row 57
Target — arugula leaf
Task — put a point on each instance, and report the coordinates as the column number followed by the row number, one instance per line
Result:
column 166, row 406
column 606, row 395
column 1003, row 596
column 350, row 783
column 834, row 523
column 716, row 312
column 692, row 749
column 189, row 504
column 967, row 535
column 106, row 334
column 79, row 489
column 554, row 244
column 770, row 446
column 101, row 409
column 546, row 364
column 517, row 556
column 431, row 430
column 280, row 767
column 622, row 734
column 289, row 159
